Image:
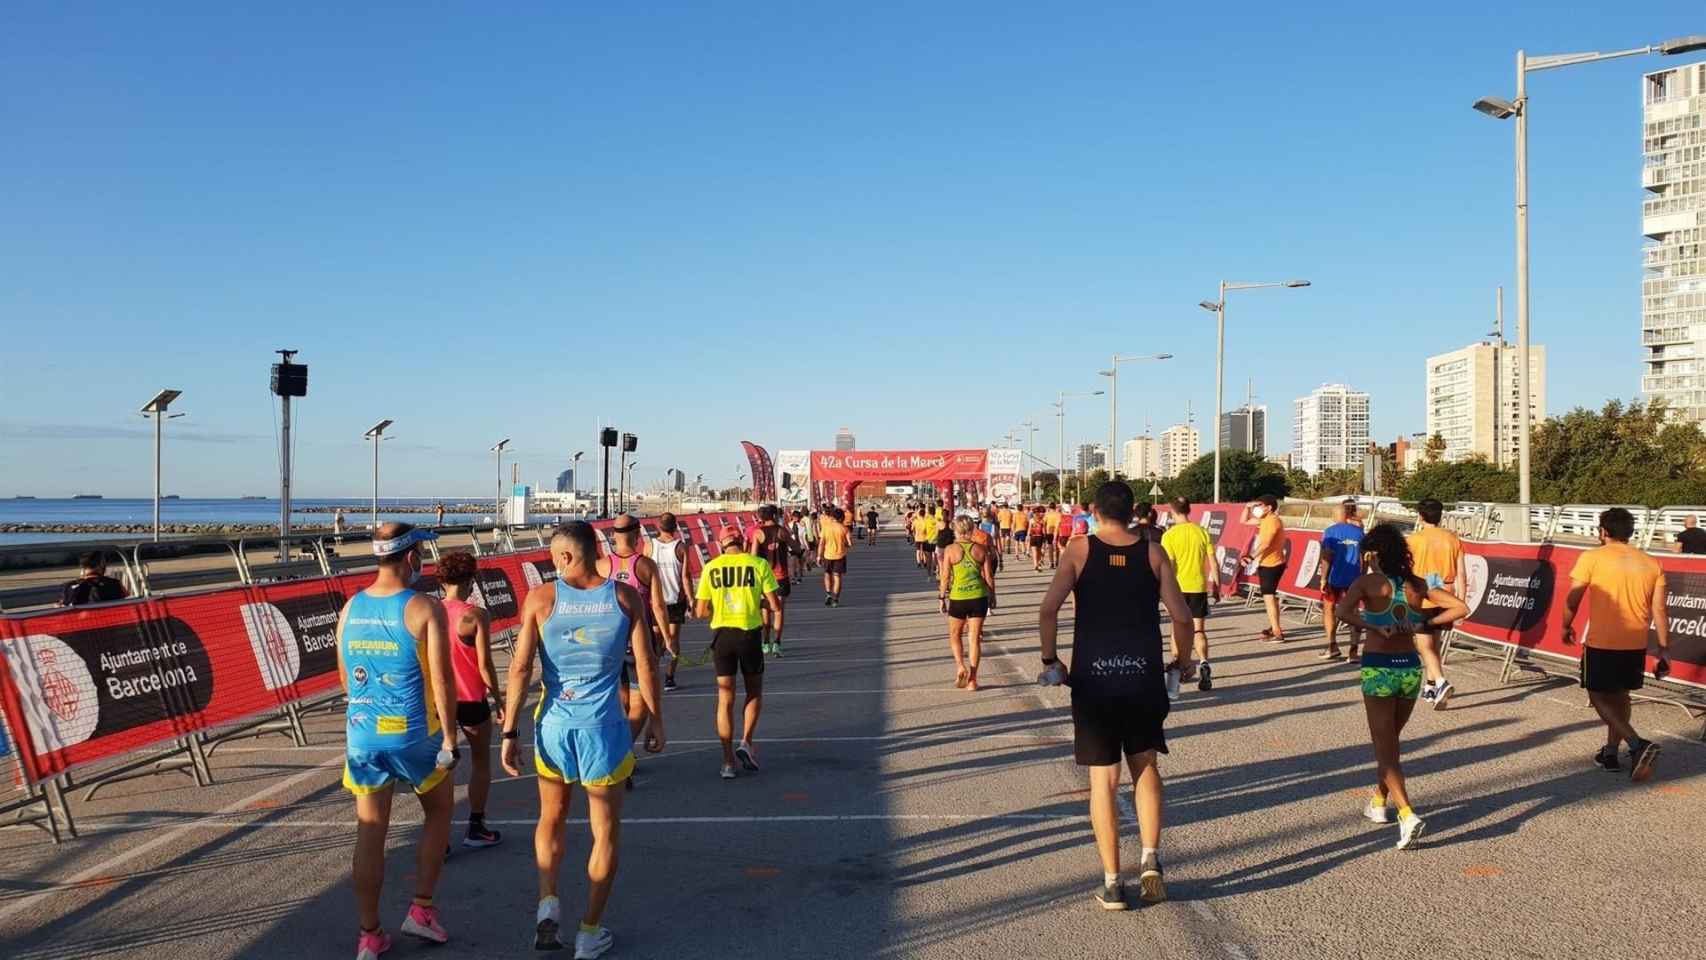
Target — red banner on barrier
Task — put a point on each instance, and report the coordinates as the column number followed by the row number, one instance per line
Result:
column 1515, row 592
column 90, row 683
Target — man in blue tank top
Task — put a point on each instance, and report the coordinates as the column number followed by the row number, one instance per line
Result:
column 394, row 661
column 1118, row 581
column 1341, row 565
column 580, row 626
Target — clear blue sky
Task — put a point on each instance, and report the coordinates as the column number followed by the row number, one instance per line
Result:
column 722, row 222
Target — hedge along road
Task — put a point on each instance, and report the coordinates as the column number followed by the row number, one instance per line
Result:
column 898, row 816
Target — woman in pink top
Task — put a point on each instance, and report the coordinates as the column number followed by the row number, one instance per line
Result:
column 477, row 696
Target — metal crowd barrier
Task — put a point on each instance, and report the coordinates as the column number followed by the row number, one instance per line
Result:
column 247, row 561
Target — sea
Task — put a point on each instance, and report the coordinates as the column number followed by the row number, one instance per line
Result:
column 125, row 510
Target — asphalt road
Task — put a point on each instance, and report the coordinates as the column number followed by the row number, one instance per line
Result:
column 896, row 816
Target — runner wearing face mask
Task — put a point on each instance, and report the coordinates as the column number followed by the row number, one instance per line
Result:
column 1269, row 551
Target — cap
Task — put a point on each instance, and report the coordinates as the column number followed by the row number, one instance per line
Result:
column 730, row 534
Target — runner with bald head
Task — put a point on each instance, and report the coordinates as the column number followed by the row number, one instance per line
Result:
column 579, row 626
column 394, row 662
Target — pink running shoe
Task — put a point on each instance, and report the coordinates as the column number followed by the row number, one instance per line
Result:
column 422, row 922
column 370, row 945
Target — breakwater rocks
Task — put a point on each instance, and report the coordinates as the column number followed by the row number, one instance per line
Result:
column 147, row 529
column 483, row 506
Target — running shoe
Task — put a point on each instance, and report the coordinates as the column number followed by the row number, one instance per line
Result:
column 744, row 753
column 1410, row 831
column 370, row 945
column 1606, row 758
column 1428, row 694
column 669, row 683
column 422, row 922
column 591, row 946
column 1442, row 693
column 479, row 835
column 1111, row 896
column 1151, row 889
column 1205, row 676
column 1377, row 812
column 547, row 930
column 727, row 772
column 828, row 600
column 1331, row 654
column 776, row 648
column 1642, row 753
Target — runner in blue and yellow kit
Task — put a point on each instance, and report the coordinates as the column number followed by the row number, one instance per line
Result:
column 394, row 661
column 581, row 626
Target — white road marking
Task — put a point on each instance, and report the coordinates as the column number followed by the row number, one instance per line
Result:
column 111, row 863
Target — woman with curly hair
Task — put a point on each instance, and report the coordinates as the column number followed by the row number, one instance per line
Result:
column 477, row 696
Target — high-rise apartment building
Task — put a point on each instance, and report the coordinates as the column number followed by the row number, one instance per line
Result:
column 566, row 481
column 1181, row 444
column 1673, row 219
column 1141, row 458
column 1245, row 428
column 1473, row 399
column 844, row 439
column 1330, row 431
column 1092, row 456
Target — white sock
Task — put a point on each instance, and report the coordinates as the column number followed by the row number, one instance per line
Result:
column 549, row 909
column 1110, row 878
column 1151, row 852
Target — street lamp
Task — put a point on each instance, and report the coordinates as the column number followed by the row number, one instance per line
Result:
column 375, row 433
column 627, row 482
column 498, row 502
column 1501, row 109
column 1218, row 308
column 1060, row 429
column 575, row 473
column 1113, row 375
column 156, row 408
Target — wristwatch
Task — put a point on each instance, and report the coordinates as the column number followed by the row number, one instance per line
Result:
column 511, row 734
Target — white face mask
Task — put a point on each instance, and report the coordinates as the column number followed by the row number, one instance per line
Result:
column 1259, row 511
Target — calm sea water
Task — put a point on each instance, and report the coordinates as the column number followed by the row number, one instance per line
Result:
column 125, row 511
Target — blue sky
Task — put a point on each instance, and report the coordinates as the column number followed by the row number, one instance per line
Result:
column 726, row 221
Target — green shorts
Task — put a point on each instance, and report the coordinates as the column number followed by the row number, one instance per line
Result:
column 1397, row 675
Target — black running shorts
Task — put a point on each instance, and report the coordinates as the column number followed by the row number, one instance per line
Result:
column 835, row 566
column 734, row 650
column 967, row 609
column 1269, row 578
column 472, row 713
column 1198, row 602
column 1605, row 671
column 1106, row 728
column 927, row 546
column 1043, row 539
column 677, row 612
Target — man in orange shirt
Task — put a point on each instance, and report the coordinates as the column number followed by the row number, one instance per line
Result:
column 832, row 542
column 1269, row 551
column 1625, row 590
column 1438, row 556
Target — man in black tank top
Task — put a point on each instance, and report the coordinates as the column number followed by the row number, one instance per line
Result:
column 1118, row 581
column 772, row 541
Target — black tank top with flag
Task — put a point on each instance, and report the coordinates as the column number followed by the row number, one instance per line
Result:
column 773, row 548
column 1116, row 635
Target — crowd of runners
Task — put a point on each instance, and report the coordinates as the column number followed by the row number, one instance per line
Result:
column 606, row 634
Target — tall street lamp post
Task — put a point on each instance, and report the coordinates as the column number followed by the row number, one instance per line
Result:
column 1218, row 308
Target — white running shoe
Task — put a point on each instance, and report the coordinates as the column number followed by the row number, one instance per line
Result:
column 1379, row 813
column 547, row 924
column 727, row 772
column 1442, row 693
column 591, row 946
column 1410, row 831
column 746, row 755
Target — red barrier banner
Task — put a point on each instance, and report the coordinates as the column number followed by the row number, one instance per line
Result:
column 1516, row 592
column 90, row 683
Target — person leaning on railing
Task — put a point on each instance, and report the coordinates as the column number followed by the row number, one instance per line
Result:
column 92, row 584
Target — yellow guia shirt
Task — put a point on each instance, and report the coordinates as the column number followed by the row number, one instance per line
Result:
column 735, row 585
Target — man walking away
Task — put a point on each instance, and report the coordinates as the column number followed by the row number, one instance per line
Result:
column 733, row 589
column 1341, row 565
column 1625, row 590
column 1438, row 557
column 1191, row 550
column 1119, row 695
